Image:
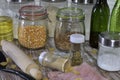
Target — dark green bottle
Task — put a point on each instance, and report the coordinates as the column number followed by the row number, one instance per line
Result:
column 99, row 21
column 115, row 18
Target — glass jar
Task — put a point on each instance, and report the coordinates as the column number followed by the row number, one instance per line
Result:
column 109, row 51
column 32, row 30
column 6, row 28
column 52, row 7
column 69, row 20
column 76, row 51
column 54, row 61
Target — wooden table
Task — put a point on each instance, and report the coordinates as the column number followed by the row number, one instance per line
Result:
column 90, row 53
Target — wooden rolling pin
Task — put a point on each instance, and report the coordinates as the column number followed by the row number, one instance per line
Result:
column 25, row 63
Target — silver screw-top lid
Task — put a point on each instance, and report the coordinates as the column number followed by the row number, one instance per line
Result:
column 110, row 39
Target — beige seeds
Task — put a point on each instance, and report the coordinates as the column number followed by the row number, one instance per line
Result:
column 32, row 37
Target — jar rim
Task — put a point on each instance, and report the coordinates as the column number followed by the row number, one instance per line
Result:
column 32, row 10
column 70, row 14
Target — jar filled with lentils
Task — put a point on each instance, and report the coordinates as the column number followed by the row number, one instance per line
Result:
column 70, row 20
column 32, row 30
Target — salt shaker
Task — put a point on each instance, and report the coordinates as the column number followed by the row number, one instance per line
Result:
column 109, row 51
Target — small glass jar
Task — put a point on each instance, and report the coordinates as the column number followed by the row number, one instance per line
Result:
column 54, row 61
column 32, row 30
column 76, row 50
column 6, row 28
column 109, row 51
column 69, row 20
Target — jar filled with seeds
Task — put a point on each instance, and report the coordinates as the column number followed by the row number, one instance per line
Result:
column 32, row 30
column 70, row 20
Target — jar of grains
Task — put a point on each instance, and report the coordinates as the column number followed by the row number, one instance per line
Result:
column 69, row 20
column 32, row 30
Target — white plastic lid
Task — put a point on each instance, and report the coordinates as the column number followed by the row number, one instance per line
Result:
column 77, row 38
column 41, row 57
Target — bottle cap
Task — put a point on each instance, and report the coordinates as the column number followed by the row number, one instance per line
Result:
column 41, row 57
column 77, row 38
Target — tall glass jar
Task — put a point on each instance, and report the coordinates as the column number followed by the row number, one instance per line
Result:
column 52, row 7
column 32, row 30
column 6, row 23
column 69, row 20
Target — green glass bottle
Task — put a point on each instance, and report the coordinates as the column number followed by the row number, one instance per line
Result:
column 115, row 18
column 99, row 21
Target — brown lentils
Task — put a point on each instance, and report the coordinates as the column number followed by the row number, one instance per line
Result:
column 32, row 37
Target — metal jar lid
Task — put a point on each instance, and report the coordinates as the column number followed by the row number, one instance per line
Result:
column 109, row 39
